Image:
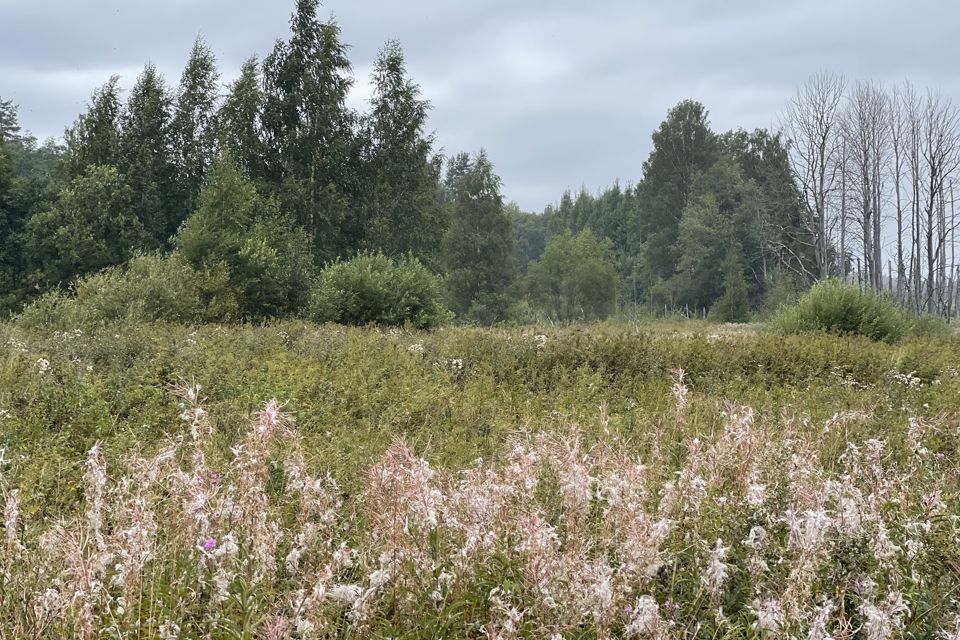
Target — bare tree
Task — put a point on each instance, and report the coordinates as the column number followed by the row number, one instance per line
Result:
column 812, row 122
column 866, row 139
column 898, row 131
column 940, row 158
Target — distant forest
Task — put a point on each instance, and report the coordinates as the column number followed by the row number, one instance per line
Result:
column 253, row 190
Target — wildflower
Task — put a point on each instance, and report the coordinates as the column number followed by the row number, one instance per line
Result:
column 951, row 634
column 716, row 572
column 818, row 626
column 345, row 594
column 769, row 614
column 756, row 494
column 43, row 365
column 680, row 391
column 209, row 544
column 884, row 620
column 169, row 630
column 11, row 513
column 416, row 347
column 645, row 620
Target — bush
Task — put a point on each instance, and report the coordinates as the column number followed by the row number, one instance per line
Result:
column 575, row 278
column 149, row 288
column 837, row 307
column 929, row 326
column 373, row 289
column 734, row 304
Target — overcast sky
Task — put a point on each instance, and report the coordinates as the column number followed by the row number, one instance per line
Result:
column 561, row 93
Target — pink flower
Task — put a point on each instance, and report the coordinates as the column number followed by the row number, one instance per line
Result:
column 209, row 544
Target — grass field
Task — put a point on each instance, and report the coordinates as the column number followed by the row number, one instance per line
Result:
column 509, row 482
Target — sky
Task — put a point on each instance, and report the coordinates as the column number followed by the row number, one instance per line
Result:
column 561, row 93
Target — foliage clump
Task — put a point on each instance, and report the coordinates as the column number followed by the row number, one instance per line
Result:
column 149, row 288
column 837, row 307
column 374, row 289
column 575, row 278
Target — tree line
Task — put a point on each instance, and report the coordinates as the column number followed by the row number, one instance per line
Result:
column 258, row 185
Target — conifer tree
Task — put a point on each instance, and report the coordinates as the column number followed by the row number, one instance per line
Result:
column 239, row 131
column 95, row 136
column 146, row 157
column 237, row 232
column 683, row 147
column 734, row 304
column 192, row 129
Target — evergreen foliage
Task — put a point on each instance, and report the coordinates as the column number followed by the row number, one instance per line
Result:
column 239, row 233
column 733, row 304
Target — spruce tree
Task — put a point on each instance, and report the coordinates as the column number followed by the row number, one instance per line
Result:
column 238, row 122
column 146, row 157
column 734, row 304
column 192, row 129
column 683, row 147
column 239, row 233
column 95, row 136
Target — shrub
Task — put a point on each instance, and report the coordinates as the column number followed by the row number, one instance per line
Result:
column 837, row 307
column 149, row 288
column 373, row 289
column 929, row 326
column 734, row 304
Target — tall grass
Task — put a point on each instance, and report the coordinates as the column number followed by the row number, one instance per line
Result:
column 751, row 532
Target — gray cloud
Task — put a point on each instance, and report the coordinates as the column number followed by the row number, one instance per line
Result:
column 561, row 93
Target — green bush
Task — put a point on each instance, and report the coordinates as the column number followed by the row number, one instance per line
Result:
column 373, row 289
column 929, row 326
column 837, row 307
column 256, row 261
column 149, row 288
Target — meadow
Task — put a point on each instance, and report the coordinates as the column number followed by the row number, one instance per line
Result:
column 293, row 480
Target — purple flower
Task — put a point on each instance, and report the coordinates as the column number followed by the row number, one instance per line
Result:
column 940, row 455
column 209, row 544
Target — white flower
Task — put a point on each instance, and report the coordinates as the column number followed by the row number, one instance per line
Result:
column 345, row 594
column 716, row 573
column 769, row 615
column 646, row 619
column 43, row 365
